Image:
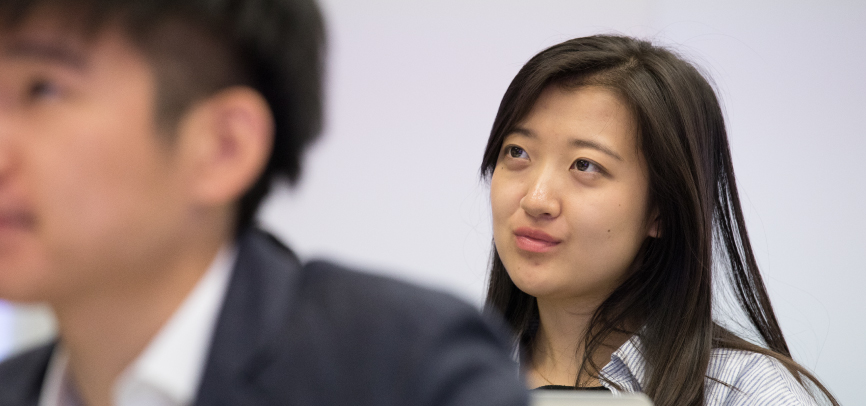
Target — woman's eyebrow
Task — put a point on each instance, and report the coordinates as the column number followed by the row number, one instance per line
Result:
column 575, row 142
column 579, row 143
column 46, row 52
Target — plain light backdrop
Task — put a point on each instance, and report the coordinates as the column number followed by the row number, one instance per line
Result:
column 413, row 87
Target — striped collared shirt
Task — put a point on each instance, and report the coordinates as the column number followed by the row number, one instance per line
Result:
column 754, row 379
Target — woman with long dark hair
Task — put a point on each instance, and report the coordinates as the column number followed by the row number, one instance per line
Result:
column 616, row 220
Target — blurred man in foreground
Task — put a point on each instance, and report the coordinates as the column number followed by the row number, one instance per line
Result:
column 137, row 139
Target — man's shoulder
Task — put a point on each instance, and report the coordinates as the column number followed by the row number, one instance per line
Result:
column 322, row 333
column 432, row 346
column 365, row 291
column 22, row 375
column 376, row 307
column 345, row 295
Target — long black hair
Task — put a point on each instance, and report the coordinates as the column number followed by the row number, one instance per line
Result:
column 681, row 132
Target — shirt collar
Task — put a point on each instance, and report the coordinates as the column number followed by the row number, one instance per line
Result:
column 169, row 370
column 57, row 389
column 627, row 367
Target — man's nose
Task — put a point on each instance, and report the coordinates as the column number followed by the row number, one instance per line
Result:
column 7, row 129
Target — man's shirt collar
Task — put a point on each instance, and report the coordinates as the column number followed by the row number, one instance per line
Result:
column 169, row 370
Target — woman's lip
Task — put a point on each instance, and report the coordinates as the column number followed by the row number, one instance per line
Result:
column 533, row 240
column 536, row 234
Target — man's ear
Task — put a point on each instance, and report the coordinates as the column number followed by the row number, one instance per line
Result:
column 228, row 138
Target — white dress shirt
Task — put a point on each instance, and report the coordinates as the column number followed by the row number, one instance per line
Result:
column 169, row 370
column 754, row 379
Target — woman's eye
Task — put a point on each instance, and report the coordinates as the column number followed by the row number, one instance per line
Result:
column 585, row 166
column 516, row 152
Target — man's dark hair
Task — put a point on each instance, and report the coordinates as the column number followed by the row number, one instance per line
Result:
column 199, row 47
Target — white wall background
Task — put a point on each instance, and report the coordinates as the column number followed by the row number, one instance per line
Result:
column 413, row 88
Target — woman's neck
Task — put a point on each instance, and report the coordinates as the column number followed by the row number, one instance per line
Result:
column 558, row 347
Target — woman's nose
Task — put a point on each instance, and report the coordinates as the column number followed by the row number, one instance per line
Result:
column 542, row 198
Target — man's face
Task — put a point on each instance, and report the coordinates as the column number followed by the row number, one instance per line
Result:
column 90, row 190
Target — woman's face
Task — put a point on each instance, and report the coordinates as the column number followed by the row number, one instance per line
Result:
column 570, row 196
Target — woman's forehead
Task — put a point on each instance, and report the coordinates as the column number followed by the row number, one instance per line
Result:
column 582, row 113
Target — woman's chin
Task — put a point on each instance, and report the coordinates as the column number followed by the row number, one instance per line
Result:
column 536, row 287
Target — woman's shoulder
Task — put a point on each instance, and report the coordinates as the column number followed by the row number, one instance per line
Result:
column 733, row 378
column 740, row 377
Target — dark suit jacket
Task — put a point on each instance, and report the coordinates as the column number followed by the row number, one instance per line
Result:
column 322, row 335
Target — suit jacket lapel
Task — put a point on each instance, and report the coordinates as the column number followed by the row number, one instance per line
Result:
column 22, row 377
column 257, row 303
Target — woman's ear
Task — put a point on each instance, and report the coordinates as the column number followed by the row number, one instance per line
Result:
column 654, row 226
column 229, row 137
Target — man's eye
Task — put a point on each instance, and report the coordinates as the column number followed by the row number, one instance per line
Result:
column 516, row 152
column 585, row 166
column 43, row 89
